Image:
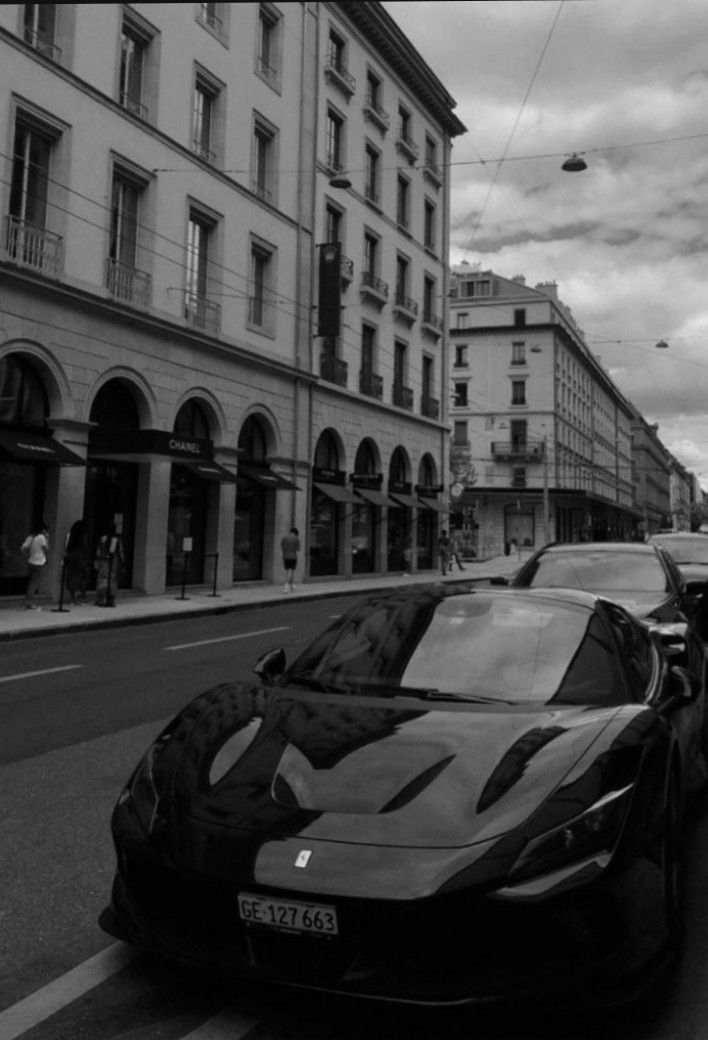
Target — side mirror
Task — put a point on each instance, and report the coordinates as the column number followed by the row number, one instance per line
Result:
column 498, row 579
column 680, row 684
column 271, row 665
column 671, row 637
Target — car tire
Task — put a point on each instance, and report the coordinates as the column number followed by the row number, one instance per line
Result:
column 671, row 864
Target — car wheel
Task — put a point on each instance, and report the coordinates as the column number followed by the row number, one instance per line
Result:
column 672, row 868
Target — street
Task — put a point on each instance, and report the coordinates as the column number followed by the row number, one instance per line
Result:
column 76, row 712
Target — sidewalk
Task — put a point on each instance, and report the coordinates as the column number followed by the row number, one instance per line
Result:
column 17, row 623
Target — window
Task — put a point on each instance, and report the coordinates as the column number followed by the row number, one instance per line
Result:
column 402, row 202
column 404, row 123
column 518, row 391
column 123, row 280
column 427, row 376
column 402, row 269
column 133, row 54
column 460, row 355
column 431, row 155
column 520, row 318
column 400, row 361
column 203, row 109
column 199, row 311
column 333, row 140
column 368, row 346
column 518, row 353
column 39, row 28
column 333, row 224
column 429, row 225
column 373, row 90
column 462, row 319
column 260, row 310
column 268, row 52
column 371, row 184
column 460, row 399
column 336, row 51
column 482, row 287
column 209, row 15
column 518, row 476
column 428, row 299
column 459, row 435
column 371, row 254
column 27, row 240
column 264, row 161
column 518, row 434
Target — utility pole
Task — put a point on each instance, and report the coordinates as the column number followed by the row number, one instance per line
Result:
column 546, row 507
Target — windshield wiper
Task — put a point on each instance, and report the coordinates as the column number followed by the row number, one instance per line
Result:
column 320, row 685
column 471, row 698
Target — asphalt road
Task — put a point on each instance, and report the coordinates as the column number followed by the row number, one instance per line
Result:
column 76, row 712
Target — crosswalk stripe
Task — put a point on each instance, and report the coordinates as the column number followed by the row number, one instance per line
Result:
column 25, row 1015
column 228, row 1024
column 225, row 639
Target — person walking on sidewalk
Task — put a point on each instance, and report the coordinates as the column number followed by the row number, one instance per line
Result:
column 35, row 548
column 443, row 550
column 290, row 546
column 454, row 552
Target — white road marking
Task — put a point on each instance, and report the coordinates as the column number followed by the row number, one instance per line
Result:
column 224, row 639
column 229, row 1024
column 44, row 671
column 29, row 1012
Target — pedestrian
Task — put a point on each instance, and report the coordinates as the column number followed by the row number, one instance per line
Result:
column 290, row 546
column 443, row 550
column 77, row 562
column 35, row 548
column 108, row 562
column 407, row 555
column 454, row 551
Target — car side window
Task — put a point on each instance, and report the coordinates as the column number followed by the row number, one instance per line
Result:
column 635, row 649
column 671, row 566
column 593, row 676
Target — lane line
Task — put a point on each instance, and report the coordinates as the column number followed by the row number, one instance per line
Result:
column 225, row 639
column 29, row 1012
column 229, row 1024
column 44, row 671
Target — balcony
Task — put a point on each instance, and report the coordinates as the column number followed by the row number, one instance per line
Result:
column 33, row 247
column 406, row 145
column 432, row 324
column 333, row 369
column 405, row 307
column 201, row 313
column 134, row 105
column 517, row 450
column 373, row 287
column 44, row 46
column 376, row 114
column 333, row 164
column 336, row 73
column 127, row 284
column 432, row 172
column 402, row 396
column 370, row 384
column 429, row 407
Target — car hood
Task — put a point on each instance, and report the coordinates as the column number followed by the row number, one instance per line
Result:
column 372, row 770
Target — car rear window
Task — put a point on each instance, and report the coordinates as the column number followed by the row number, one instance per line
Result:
column 597, row 572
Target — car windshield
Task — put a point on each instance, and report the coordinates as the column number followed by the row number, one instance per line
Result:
column 686, row 549
column 597, row 572
column 474, row 646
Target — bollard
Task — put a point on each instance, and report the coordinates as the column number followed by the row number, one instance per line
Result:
column 216, row 567
column 184, row 576
column 110, row 595
column 61, row 609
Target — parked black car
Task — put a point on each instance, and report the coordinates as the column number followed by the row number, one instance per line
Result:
column 690, row 552
column 452, row 795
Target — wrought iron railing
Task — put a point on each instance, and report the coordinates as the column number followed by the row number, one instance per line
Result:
column 406, row 303
column 33, row 247
column 429, row 407
column 202, row 313
column 128, row 284
column 370, row 384
column 370, row 281
column 333, row 369
column 402, row 396
column 432, row 320
column 266, row 71
column 336, row 70
column 44, row 46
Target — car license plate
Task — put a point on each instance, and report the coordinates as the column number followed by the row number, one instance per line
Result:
column 315, row 918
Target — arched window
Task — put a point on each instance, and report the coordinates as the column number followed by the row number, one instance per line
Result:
column 191, row 421
column 365, row 461
column 114, row 408
column 251, row 440
column 326, row 452
column 23, row 399
column 397, row 468
column 426, row 473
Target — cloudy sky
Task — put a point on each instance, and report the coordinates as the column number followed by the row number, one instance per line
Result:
column 625, row 82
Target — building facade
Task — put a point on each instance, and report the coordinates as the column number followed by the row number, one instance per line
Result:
column 652, row 468
column 541, row 447
column 166, row 191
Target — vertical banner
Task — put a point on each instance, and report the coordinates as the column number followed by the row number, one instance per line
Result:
column 330, row 297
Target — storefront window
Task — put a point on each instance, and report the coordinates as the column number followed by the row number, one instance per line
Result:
column 325, row 512
column 189, row 504
column 427, row 519
column 399, row 520
column 365, row 517
column 249, row 519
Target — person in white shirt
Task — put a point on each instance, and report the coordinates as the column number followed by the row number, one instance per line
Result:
column 35, row 547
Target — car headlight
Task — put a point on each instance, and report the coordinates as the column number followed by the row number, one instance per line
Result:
column 590, row 834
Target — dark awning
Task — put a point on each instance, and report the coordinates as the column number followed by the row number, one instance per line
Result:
column 376, row 497
column 409, row 501
column 209, row 470
column 21, row 446
column 432, row 503
column 266, row 477
column 336, row 492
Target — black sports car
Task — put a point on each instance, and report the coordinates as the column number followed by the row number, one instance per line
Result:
column 690, row 553
column 452, row 795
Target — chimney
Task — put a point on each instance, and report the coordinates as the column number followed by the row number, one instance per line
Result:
column 549, row 289
column 519, row 279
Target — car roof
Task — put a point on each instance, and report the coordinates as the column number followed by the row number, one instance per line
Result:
column 575, row 597
column 588, row 547
column 669, row 535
